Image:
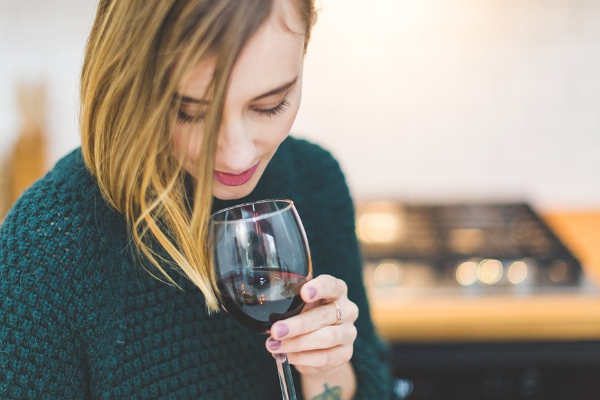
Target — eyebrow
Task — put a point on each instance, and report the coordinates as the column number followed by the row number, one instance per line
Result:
column 277, row 90
column 186, row 99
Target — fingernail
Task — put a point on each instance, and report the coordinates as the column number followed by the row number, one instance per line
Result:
column 312, row 292
column 282, row 330
column 274, row 344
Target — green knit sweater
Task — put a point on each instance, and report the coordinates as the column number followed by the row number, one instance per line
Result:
column 81, row 319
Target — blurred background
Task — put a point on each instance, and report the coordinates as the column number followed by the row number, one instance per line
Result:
column 419, row 99
column 428, row 99
column 469, row 131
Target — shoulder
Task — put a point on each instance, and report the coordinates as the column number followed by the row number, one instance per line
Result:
column 62, row 201
column 313, row 165
column 302, row 171
column 308, row 154
column 321, row 192
column 58, row 191
column 53, row 232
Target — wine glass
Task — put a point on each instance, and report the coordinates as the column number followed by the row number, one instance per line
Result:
column 261, row 259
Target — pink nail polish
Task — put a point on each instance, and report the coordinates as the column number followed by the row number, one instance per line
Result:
column 312, row 292
column 274, row 344
column 282, row 330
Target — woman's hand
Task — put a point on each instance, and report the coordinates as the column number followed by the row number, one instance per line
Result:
column 316, row 341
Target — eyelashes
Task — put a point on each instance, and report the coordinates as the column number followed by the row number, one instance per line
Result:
column 278, row 109
column 185, row 118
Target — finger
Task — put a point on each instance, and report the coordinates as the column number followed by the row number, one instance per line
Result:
column 322, row 359
column 323, row 287
column 313, row 319
column 328, row 337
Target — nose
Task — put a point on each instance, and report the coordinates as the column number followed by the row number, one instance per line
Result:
column 236, row 151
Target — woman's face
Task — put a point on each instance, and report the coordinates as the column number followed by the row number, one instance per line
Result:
column 261, row 104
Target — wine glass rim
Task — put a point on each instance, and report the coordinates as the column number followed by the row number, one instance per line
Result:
column 290, row 205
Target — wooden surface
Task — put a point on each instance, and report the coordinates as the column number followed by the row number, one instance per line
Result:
column 558, row 316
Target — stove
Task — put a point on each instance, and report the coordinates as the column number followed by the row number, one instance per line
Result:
column 475, row 249
column 469, row 249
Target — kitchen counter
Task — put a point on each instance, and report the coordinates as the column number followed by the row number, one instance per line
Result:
column 552, row 316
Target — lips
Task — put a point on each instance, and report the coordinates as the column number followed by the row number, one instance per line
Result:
column 235, row 179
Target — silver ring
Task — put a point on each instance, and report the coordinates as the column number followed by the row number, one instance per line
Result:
column 338, row 314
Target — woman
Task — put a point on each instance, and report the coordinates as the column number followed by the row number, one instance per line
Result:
column 105, row 285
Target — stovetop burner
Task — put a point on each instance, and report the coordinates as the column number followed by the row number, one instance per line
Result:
column 473, row 248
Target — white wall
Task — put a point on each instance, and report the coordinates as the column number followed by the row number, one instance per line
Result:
column 43, row 40
column 418, row 99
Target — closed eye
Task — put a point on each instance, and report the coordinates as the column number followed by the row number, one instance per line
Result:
column 186, row 118
column 271, row 112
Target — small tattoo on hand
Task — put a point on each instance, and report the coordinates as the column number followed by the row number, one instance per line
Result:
column 334, row 393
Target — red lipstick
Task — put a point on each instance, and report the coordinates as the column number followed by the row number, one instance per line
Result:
column 236, row 179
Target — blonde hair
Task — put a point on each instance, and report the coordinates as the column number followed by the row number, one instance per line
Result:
column 137, row 54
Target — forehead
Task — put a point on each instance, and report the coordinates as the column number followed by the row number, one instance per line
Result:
column 273, row 55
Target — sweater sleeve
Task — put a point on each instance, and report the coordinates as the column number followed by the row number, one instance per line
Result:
column 39, row 350
column 330, row 218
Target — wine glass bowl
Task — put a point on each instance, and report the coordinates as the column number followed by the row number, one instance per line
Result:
column 261, row 260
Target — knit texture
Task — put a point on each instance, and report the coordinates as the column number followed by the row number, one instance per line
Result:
column 80, row 318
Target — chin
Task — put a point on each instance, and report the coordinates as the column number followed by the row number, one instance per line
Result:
column 223, row 192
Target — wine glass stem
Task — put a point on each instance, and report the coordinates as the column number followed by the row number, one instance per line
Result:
column 285, row 377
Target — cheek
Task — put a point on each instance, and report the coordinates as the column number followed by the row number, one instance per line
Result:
column 289, row 121
column 187, row 143
column 176, row 142
column 283, row 130
column 280, row 129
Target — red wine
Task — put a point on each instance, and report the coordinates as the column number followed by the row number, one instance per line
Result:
column 258, row 297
